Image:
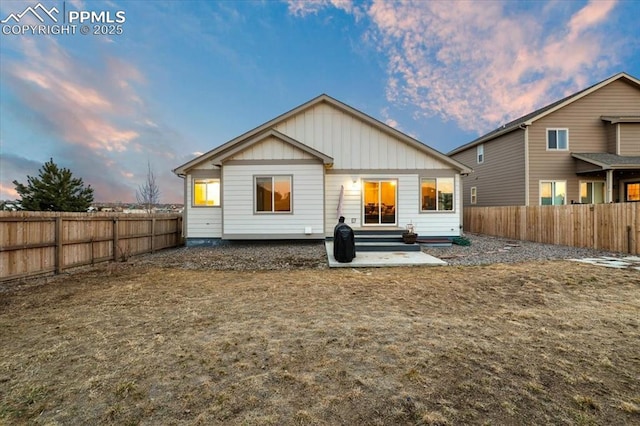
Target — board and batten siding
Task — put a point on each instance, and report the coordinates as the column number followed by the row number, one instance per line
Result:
column 201, row 222
column 352, row 143
column 272, row 149
column 587, row 133
column 500, row 178
column 239, row 218
column 433, row 224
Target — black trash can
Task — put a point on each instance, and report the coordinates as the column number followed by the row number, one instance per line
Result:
column 344, row 244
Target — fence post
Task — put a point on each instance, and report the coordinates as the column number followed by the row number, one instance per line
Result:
column 115, row 239
column 153, row 235
column 594, row 241
column 59, row 246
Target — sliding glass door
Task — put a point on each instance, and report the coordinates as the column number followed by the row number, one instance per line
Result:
column 379, row 202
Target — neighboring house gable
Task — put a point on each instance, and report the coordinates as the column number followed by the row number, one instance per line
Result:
column 317, row 152
column 544, row 146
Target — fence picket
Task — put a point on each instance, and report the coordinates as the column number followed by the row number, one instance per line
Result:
column 613, row 227
column 33, row 243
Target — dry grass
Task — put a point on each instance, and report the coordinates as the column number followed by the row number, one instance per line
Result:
column 538, row 343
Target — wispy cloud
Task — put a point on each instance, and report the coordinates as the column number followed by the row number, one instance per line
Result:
column 79, row 104
column 484, row 63
column 90, row 116
column 11, row 167
column 308, row 7
column 8, row 192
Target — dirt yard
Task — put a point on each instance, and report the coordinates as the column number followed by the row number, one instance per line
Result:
column 530, row 343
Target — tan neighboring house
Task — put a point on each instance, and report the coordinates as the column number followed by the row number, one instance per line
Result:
column 291, row 177
column 584, row 148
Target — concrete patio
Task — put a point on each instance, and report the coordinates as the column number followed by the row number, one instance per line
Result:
column 374, row 259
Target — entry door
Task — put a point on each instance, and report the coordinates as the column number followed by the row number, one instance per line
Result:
column 379, row 202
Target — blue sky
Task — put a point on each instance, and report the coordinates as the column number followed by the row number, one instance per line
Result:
column 186, row 76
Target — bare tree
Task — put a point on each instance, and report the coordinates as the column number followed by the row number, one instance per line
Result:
column 148, row 194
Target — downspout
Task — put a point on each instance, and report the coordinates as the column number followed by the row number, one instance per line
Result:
column 526, row 163
column 457, row 181
column 184, row 207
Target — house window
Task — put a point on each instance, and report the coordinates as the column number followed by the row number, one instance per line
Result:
column 633, row 191
column 206, row 192
column 480, row 153
column 474, row 195
column 557, row 139
column 437, row 194
column 273, row 194
column 591, row 192
column 553, row 193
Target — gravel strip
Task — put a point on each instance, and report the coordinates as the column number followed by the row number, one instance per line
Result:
column 243, row 256
column 487, row 250
column 283, row 255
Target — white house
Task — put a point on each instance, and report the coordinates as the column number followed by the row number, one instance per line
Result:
column 291, row 178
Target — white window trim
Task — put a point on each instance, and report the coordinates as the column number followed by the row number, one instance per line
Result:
column 592, row 181
column 473, row 195
column 556, row 129
column 255, row 199
column 193, row 192
column 551, row 181
column 480, row 153
column 437, row 210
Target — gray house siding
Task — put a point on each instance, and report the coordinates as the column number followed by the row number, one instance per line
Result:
column 500, row 178
column 587, row 133
column 612, row 137
column 630, row 138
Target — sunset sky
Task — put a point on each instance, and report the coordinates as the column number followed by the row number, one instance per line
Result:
column 186, row 76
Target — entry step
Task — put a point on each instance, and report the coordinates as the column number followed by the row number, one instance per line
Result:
column 385, row 246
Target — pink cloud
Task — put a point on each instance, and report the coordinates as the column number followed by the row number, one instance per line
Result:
column 89, row 114
column 594, row 12
column 8, row 192
column 476, row 64
column 483, row 63
column 77, row 103
column 309, row 7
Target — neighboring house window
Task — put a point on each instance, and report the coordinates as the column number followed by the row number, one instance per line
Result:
column 474, row 195
column 437, row 194
column 557, row 139
column 633, row 191
column 553, row 193
column 206, row 192
column 480, row 153
column 273, row 194
column 591, row 192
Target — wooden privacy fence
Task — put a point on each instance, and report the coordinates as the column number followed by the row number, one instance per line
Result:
column 612, row 227
column 33, row 243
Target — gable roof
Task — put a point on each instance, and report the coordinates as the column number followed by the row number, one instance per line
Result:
column 528, row 119
column 251, row 134
column 244, row 144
